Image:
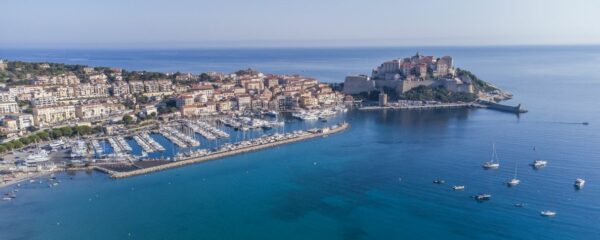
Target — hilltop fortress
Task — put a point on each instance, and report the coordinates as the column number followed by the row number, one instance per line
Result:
column 408, row 73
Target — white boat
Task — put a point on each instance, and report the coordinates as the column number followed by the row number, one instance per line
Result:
column 493, row 163
column 548, row 213
column 579, row 183
column 37, row 157
column 539, row 163
column 514, row 181
column 483, row 197
column 56, row 144
column 458, row 187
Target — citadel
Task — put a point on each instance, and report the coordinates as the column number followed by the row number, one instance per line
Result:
column 402, row 75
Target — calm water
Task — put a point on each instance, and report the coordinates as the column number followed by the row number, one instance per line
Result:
column 370, row 182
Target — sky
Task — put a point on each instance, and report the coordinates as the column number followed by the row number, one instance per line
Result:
column 295, row 23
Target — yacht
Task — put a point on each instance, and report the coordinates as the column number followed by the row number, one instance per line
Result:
column 483, row 197
column 56, row 144
column 39, row 156
column 493, row 163
column 539, row 163
column 458, row 187
column 548, row 213
column 579, row 183
column 514, row 181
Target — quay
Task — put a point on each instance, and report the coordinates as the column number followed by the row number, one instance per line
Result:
column 221, row 154
column 427, row 106
column 501, row 107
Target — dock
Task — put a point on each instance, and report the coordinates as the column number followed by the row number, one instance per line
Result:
column 225, row 153
column 426, row 106
column 501, row 107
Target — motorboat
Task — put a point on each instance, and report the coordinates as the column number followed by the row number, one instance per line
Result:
column 513, row 182
column 439, row 181
column 579, row 183
column 458, row 187
column 483, row 197
column 548, row 213
column 539, row 163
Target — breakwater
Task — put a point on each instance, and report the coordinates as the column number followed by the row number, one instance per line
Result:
column 221, row 154
column 426, row 106
column 504, row 108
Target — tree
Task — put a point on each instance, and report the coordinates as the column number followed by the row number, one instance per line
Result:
column 66, row 131
column 8, row 145
column 17, row 143
column 56, row 133
column 127, row 119
column 25, row 140
column 43, row 135
column 3, row 149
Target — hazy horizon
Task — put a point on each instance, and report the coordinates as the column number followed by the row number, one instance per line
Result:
column 268, row 23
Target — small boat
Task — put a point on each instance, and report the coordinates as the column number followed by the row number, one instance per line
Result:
column 548, row 213
column 458, row 187
column 519, row 205
column 513, row 182
column 483, row 197
column 438, row 181
column 579, row 183
column 7, row 198
column 538, row 163
column 493, row 163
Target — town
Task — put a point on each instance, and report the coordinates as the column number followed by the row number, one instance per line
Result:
column 57, row 116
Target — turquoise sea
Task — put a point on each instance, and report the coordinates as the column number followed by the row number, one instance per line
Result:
column 373, row 181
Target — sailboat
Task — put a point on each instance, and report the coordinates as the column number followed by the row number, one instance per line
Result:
column 493, row 163
column 514, row 181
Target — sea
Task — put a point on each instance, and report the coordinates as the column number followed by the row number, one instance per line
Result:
column 372, row 181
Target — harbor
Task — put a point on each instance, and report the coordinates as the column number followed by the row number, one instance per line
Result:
column 257, row 144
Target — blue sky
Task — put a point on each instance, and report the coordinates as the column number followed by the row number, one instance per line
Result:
column 306, row 23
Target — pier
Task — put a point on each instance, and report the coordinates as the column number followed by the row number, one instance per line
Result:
column 178, row 138
column 243, row 148
column 501, row 107
column 426, row 106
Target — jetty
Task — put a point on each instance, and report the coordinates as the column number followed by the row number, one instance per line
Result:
column 178, row 137
column 424, row 106
column 501, row 107
column 249, row 146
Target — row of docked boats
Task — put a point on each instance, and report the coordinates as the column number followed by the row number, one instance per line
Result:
column 179, row 138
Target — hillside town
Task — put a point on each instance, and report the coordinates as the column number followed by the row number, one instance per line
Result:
column 100, row 96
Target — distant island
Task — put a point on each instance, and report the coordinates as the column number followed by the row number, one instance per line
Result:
column 422, row 78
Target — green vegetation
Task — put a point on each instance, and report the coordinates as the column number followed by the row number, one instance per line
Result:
column 440, row 94
column 127, row 119
column 478, row 84
column 421, row 93
column 48, row 134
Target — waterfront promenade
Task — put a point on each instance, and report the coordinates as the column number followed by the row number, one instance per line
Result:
column 220, row 154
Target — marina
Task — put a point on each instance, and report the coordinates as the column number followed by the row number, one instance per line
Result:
column 229, row 150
